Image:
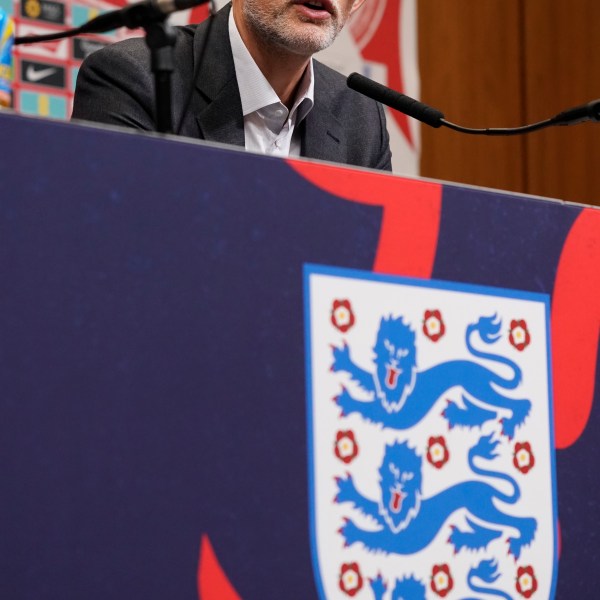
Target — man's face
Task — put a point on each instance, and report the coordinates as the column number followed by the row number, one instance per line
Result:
column 299, row 26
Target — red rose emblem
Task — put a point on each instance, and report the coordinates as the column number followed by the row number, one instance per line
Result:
column 523, row 457
column 351, row 580
column 346, row 448
column 437, row 451
column 441, row 580
column 342, row 316
column 433, row 325
column 526, row 581
column 518, row 335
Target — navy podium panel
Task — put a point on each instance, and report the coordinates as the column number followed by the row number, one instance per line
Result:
column 152, row 357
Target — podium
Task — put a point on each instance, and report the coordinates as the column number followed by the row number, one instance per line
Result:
column 154, row 358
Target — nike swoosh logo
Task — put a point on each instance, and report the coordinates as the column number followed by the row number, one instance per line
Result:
column 31, row 74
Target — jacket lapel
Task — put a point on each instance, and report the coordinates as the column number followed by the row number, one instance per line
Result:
column 217, row 106
column 324, row 137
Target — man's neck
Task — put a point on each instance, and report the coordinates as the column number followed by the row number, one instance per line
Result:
column 281, row 68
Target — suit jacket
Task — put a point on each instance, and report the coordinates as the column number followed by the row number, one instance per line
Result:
column 115, row 85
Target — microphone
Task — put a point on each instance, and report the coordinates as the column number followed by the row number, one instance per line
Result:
column 435, row 118
column 137, row 15
column 133, row 16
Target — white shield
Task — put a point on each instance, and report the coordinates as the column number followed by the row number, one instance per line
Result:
column 431, row 462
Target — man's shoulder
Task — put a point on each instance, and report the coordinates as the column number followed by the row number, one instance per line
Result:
column 333, row 78
column 115, row 84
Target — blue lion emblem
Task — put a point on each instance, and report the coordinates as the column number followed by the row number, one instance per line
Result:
column 407, row 522
column 402, row 396
column 409, row 588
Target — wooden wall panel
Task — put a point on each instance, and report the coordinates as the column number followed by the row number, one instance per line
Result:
column 498, row 63
column 562, row 63
column 470, row 56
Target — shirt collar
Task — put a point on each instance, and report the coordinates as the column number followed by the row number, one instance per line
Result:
column 255, row 91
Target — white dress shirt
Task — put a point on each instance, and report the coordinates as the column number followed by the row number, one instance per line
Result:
column 269, row 127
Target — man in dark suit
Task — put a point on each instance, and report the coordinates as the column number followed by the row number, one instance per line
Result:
column 257, row 84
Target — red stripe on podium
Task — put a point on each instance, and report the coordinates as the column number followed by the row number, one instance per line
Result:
column 213, row 583
column 411, row 213
column 576, row 327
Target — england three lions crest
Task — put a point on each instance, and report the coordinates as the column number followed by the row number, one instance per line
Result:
column 431, row 460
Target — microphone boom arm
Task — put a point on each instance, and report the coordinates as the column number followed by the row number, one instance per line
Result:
column 435, row 118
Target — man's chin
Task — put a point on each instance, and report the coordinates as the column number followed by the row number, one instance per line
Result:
column 308, row 39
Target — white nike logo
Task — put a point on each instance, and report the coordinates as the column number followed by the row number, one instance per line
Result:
column 31, row 74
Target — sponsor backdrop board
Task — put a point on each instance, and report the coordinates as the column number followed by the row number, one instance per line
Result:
column 45, row 73
column 218, row 390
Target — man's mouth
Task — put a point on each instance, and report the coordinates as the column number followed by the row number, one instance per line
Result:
column 314, row 5
column 316, row 9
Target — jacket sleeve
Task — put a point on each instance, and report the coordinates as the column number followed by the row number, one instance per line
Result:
column 115, row 86
column 384, row 160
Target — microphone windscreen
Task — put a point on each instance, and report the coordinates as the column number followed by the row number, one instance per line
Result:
column 185, row 4
column 405, row 104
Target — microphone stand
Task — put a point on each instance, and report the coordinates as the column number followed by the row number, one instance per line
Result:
column 435, row 118
column 160, row 38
